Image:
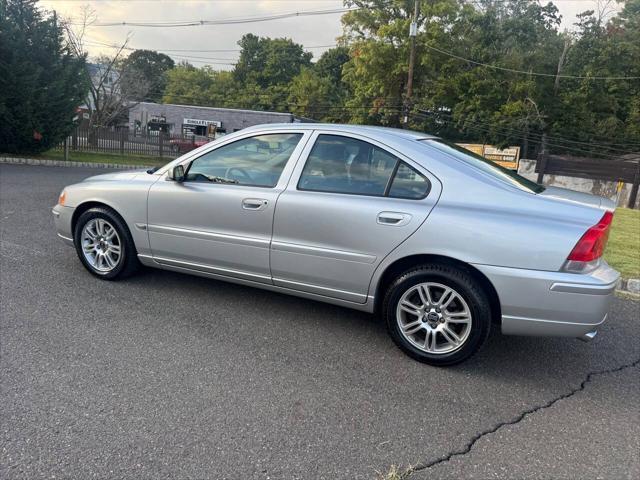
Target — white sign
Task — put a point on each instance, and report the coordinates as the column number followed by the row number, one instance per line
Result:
column 201, row 123
column 507, row 152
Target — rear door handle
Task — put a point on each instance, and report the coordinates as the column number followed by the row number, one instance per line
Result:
column 254, row 203
column 393, row 219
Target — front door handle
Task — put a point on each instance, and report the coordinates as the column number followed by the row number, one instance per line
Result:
column 254, row 203
column 393, row 219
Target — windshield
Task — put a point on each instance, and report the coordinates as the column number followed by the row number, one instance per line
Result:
column 487, row 166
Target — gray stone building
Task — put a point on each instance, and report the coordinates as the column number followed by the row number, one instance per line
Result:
column 191, row 120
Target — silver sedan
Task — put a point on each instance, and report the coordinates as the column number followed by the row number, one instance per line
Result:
column 441, row 243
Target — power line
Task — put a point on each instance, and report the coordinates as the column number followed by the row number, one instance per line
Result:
column 397, row 108
column 208, row 1
column 187, row 50
column 227, row 21
column 257, row 1
column 532, row 135
column 522, row 136
column 553, row 75
column 97, row 43
column 197, row 57
column 191, row 58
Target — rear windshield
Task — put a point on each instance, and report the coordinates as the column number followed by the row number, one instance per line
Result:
column 487, row 166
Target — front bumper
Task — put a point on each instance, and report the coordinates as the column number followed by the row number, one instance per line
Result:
column 544, row 303
column 62, row 218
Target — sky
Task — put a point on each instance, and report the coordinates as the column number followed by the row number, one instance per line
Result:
column 316, row 33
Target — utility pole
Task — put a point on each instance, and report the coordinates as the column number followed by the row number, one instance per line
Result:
column 413, row 30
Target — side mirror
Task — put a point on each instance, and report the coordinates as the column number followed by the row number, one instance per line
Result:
column 177, row 173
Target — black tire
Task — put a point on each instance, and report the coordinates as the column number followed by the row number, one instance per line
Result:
column 128, row 261
column 466, row 286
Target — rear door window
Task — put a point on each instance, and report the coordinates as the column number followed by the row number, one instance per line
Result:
column 348, row 165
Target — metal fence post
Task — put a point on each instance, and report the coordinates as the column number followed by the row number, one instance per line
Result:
column 121, row 142
column 66, row 148
column 160, row 143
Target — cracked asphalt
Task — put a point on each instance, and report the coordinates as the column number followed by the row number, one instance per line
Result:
column 170, row 376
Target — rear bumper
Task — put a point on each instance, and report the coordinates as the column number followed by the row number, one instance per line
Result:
column 561, row 304
column 62, row 219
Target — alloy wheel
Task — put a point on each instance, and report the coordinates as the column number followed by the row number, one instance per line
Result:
column 434, row 318
column 101, row 245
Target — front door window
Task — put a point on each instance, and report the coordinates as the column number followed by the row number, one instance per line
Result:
column 255, row 161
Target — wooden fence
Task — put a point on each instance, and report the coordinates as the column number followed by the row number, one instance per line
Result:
column 624, row 169
column 124, row 142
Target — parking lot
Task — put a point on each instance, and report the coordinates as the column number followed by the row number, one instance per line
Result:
column 171, row 376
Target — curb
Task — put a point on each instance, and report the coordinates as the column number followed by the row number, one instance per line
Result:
column 41, row 162
column 630, row 286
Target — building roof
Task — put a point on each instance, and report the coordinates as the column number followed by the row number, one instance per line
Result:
column 214, row 108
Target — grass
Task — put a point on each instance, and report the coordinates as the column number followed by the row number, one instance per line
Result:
column 623, row 249
column 142, row 160
column 394, row 473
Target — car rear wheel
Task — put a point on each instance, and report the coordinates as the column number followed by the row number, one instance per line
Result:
column 437, row 314
column 104, row 244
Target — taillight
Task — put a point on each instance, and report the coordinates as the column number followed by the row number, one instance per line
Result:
column 591, row 245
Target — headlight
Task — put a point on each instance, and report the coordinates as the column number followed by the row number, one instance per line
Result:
column 62, row 198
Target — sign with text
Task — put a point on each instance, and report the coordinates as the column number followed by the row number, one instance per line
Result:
column 196, row 122
column 507, row 157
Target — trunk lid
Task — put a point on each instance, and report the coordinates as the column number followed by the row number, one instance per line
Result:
column 580, row 198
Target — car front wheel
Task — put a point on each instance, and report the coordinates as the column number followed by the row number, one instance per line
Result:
column 104, row 244
column 437, row 314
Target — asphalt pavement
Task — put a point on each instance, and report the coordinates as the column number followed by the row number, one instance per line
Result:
column 166, row 375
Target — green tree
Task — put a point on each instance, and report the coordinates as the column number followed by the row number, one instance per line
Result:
column 310, row 96
column 188, row 85
column 603, row 114
column 149, row 66
column 41, row 82
column 495, row 71
column 377, row 70
column 487, row 99
column 331, row 62
column 269, row 61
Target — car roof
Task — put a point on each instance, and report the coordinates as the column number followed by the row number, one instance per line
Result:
column 361, row 129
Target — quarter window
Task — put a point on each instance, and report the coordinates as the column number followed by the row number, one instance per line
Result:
column 408, row 183
column 347, row 165
column 256, row 161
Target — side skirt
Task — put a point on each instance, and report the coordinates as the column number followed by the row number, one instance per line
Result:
column 368, row 307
